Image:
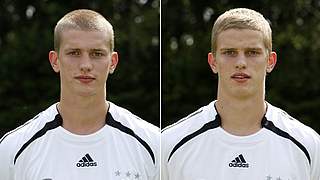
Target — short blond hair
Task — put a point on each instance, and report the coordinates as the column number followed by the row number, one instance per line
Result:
column 86, row 20
column 242, row 18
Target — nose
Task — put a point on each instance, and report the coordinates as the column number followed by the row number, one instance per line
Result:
column 241, row 62
column 86, row 64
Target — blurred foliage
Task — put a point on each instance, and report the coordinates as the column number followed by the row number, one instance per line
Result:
column 188, row 82
column 28, row 85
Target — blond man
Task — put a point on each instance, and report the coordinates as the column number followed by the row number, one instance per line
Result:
column 240, row 135
column 83, row 136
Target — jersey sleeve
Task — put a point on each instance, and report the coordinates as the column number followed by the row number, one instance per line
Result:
column 6, row 165
column 157, row 176
column 164, row 162
column 157, row 157
column 154, row 141
column 315, row 161
column 164, row 170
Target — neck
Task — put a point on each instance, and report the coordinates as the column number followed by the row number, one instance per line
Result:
column 83, row 115
column 241, row 117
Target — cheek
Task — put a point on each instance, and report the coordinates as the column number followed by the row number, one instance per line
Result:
column 225, row 67
column 260, row 71
column 102, row 68
column 67, row 68
column 260, row 66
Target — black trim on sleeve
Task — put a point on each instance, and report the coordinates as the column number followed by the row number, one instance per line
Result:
column 16, row 129
column 182, row 120
column 113, row 123
column 208, row 126
column 47, row 127
column 270, row 126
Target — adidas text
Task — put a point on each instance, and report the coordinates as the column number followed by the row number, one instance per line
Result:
column 240, row 165
column 86, row 164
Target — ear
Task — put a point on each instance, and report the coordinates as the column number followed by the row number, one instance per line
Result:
column 53, row 58
column 212, row 62
column 272, row 60
column 114, row 62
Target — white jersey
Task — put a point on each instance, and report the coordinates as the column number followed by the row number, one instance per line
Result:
column 197, row 148
column 126, row 148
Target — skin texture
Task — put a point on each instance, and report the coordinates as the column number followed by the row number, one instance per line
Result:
column 241, row 62
column 84, row 62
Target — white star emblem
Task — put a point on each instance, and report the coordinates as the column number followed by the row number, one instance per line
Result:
column 136, row 176
column 269, row 177
column 117, row 173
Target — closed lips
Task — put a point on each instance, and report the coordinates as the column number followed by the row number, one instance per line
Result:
column 84, row 77
column 240, row 76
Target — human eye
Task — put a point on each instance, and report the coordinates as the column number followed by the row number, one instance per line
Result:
column 253, row 52
column 97, row 54
column 73, row 53
column 230, row 52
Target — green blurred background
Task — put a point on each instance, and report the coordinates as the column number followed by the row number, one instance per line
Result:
column 188, row 83
column 28, row 85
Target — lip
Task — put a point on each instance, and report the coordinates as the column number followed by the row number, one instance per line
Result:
column 240, row 77
column 85, row 78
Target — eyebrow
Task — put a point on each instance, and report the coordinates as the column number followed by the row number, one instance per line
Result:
column 227, row 49
column 257, row 49
column 94, row 49
column 248, row 48
column 102, row 50
column 72, row 49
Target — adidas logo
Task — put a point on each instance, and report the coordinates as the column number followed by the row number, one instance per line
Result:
column 86, row 161
column 239, row 162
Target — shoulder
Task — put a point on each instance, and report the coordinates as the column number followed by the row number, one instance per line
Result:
column 291, row 125
column 130, row 120
column 191, row 123
column 127, row 123
column 301, row 133
column 30, row 127
column 12, row 141
column 188, row 127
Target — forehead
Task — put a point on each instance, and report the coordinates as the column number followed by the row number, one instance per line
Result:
column 84, row 39
column 240, row 38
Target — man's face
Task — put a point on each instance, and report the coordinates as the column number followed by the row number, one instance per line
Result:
column 241, row 61
column 84, row 62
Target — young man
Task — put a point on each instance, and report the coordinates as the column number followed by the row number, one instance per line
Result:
column 240, row 135
column 83, row 136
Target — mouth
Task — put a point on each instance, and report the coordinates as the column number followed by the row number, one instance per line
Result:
column 85, row 79
column 240, row 77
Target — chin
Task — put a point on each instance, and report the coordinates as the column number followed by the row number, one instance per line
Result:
column 242, row 93
column 86, row 93
column 242, row 96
